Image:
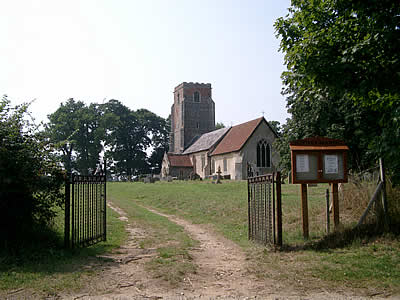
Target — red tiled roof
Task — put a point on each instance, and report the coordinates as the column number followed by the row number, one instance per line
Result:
column 177, row 160
column 235, row 139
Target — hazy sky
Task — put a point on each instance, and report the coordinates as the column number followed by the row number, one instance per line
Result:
column 138, row 51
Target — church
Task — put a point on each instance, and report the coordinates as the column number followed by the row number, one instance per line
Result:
column 197, row 149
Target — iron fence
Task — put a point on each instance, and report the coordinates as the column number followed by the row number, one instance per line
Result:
column 85, row 210
column 265, row 209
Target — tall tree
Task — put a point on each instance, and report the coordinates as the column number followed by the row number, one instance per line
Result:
column 126, row 139
column 63, row 128
column 89, row 138
column 342, row 61
column 158, row 130
column 75, row 130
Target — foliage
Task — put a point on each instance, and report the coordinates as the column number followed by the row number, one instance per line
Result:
column 276, row 126
column 219, row 125
column 30, row 180
column 342, row 76
column 82, row 133
column 126, row 139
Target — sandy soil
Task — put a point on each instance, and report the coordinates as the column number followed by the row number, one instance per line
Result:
column 221, row 274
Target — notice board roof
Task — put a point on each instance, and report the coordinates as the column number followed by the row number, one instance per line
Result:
column 318, row 143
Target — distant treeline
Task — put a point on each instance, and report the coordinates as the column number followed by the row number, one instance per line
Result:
column 132, row 142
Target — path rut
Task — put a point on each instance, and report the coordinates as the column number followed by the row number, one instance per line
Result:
column 221, row 274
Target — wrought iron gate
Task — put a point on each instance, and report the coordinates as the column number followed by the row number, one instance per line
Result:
column 265, row 208
column 85, row 210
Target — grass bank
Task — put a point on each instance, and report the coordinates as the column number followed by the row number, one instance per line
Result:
column 367, row 259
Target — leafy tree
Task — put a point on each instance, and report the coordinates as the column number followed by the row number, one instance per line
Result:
column 75, row 130
column 219, row 125
column 342, row 74
column 158, row 130
column 80, row 133
column 62, row 130
column 89, row 138
column 30, row 180
column 126, row 139
column 276, row 126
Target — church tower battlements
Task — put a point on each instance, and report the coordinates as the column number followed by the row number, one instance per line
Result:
column 192, row 114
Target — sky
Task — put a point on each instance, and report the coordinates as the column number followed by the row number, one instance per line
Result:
column 139, row 51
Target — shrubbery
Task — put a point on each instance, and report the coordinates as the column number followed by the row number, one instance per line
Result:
column 30, row 180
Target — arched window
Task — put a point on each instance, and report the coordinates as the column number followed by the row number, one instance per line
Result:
column 263, row 154
column 196, row 97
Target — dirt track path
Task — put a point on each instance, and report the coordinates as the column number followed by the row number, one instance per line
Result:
column 221, row 274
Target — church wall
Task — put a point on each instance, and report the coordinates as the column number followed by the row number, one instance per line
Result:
column 237, row 161
column 198, row 159
column 232, row 160
column 249, row 151
column 181, row 172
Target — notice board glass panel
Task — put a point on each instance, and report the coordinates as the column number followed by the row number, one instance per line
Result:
column 306, row 166
column 332, row 166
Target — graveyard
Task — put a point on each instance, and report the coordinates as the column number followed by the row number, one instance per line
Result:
column 200, row 150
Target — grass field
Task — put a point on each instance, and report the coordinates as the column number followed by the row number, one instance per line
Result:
column 348, row 258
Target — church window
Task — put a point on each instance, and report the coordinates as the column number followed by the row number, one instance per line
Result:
column 225, row 165
column 263, row 154
column 177, row 97
column 196, row 97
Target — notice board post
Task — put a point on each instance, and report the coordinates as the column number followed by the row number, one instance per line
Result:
column 318, row 160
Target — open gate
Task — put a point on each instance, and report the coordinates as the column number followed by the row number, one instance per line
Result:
column 265, row 208
column 85, row 210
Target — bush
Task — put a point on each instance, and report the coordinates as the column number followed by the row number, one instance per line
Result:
column 30, row 180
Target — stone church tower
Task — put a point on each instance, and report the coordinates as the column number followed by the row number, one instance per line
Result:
column 192, row 114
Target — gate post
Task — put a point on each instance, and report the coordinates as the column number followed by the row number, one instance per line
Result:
column 279, row 207
column 105, row 201
column 304, row 209
column 67, row 208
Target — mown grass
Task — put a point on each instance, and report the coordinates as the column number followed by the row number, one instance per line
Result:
column 42, row 265
column 366, row 258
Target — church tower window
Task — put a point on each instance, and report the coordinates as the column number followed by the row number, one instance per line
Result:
column 263, row 154
column 196, row 97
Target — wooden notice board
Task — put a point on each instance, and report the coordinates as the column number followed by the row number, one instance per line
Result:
column 319, row 160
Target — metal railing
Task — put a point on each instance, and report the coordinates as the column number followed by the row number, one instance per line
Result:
column 265, row 209
column 85, row 210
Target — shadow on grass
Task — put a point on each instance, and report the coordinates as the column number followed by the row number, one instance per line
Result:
column 347, row 236
column 42, row 252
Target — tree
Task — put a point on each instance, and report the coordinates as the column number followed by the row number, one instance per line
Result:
column 126, row 139
column 89, row 139
column 75, row 131
column 342, row 61
column 219, row 125
column 62, row 129
column 276, row 126
column 158, row 130
column 30, row 180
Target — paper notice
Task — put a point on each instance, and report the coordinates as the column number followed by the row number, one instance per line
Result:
column 302, row 163
column 331, row 164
